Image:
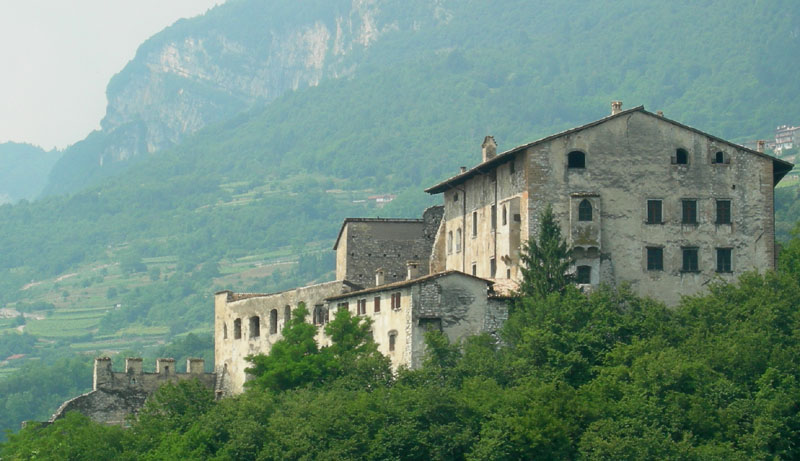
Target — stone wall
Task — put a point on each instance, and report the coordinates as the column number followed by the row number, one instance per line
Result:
column 115, row 396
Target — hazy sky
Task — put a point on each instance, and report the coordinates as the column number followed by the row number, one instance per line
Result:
column 56, row 57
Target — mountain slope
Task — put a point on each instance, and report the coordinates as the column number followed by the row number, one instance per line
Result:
column 23, row 170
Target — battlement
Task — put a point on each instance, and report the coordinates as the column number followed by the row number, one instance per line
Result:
column 135, row 378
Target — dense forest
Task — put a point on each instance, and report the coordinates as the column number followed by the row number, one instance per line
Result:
column 125, row 259
column 604, row 376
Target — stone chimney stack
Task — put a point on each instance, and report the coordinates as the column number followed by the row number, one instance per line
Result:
column 379, row 277
column 413, row 270
column 616, row 107
column 659, row 113
column 761, row 143
column 463, row 169
column 489, row 148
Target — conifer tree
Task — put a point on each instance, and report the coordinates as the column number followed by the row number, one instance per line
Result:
column 546, row 260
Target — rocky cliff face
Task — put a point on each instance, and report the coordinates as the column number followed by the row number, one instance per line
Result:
column 183, row 79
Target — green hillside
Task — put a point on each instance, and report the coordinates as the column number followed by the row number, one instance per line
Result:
column 24, row 170
column 253, row 202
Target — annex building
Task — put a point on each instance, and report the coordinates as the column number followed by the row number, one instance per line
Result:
column 641, row 199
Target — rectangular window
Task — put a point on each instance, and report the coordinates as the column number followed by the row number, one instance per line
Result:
column 689, row 215
column 512, row 167
column 584, row 275
column 492, row 267
column 474, row 223
column 689, row 259
column 494, row 217
column 474, row 269
column 654, row 212
column 395, row 300
column 723, row 211
column 392, row 340
column 377, row 304
column 343, row 306
column 655, row 259
column 724, row 260
column 362, row 306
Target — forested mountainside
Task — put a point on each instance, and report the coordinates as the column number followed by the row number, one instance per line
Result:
column 24, row 170
column 252, row 200
column 525, row 67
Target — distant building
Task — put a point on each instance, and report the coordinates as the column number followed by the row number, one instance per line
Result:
column 640, row 198
column 786, row 137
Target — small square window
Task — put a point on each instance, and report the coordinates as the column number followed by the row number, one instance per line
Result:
column 584, row 274
column 723, row 211
column 654, row 212
column 724, row 260
column 689, row 260
column 655, row 259
column 689, row 215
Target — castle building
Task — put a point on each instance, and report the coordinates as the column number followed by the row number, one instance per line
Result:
column 641, row 199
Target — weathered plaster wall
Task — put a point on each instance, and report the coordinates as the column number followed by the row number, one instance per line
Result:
column 628, row 161
column 230, row 351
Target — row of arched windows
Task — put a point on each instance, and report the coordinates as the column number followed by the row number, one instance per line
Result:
column 254, row 324
column 577, row 159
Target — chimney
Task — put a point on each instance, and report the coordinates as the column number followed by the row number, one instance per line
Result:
column 379, row 277
column 616, row 107
column 660, row 113
column 489, row 148
column 413, row 270
column 463, row 169
column 760, row 143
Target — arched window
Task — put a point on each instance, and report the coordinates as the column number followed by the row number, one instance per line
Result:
column 585, row 210
column 287, row 315
column 576, row 159
column 449, row 242
column 584, row 274
column 719, row 157
column 392, row 340
column 255, row 327
column 237, row 329
column 458, row 240
column 273, row 321
column 681, row 157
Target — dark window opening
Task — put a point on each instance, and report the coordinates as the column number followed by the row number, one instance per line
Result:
column 689, row 260
column 584, row 274
column 273, row 321
column 377, row 304
column 512, row 167
column 505, row 215
column 431, row 324
column 654, row 212
column 724, row 260
column 576, row 159
column 655, row 259
column 517, row 218
column 320, row 315
column 287, row 315
column 681, row 157
column 396, row 300
column 224, row 331
column 255, row 327
column 492, row 267
column 494, row 217
column 237, row 329
column 362, row 306
column 723, row 211
column 392, row 340
column 474, row 269
column 458, row 240
column 508, row 273
column 689, row 215
column 455, row 197
column 474, row 223
column 585, row 210
column 719, row 157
